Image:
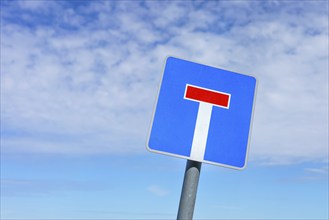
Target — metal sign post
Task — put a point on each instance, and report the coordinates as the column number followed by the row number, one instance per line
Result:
column 203, row 114
column 189, row 190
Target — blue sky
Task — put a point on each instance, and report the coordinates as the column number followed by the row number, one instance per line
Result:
column 79, row 82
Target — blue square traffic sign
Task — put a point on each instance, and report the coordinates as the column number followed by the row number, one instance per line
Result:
column 203, row 114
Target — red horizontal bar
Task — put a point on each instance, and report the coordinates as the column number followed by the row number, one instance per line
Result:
column 206, row 95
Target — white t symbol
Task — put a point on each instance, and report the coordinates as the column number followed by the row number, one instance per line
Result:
column 207, row 98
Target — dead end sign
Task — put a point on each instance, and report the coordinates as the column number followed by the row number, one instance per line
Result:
column 203, row 114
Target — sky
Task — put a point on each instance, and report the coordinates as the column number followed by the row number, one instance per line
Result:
column 79, row 82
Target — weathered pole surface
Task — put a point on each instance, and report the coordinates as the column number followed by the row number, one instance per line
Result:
column 189, row 190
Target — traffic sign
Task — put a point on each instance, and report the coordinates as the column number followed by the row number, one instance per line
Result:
column 203, row 114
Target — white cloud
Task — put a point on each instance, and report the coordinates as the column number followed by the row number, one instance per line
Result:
column 321, row 170
column 157, row 190
column 33, row 5
column 89, row 75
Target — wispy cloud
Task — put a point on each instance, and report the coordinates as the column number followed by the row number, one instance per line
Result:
column 157, row 190
column 43, row 187
column 81, row 78
column 321, row 170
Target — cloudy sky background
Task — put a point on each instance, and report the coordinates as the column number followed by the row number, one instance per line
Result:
column 78, row 86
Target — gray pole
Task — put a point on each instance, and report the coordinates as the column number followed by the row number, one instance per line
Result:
column 189, row 190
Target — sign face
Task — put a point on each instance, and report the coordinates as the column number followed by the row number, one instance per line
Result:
column 203, row 114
